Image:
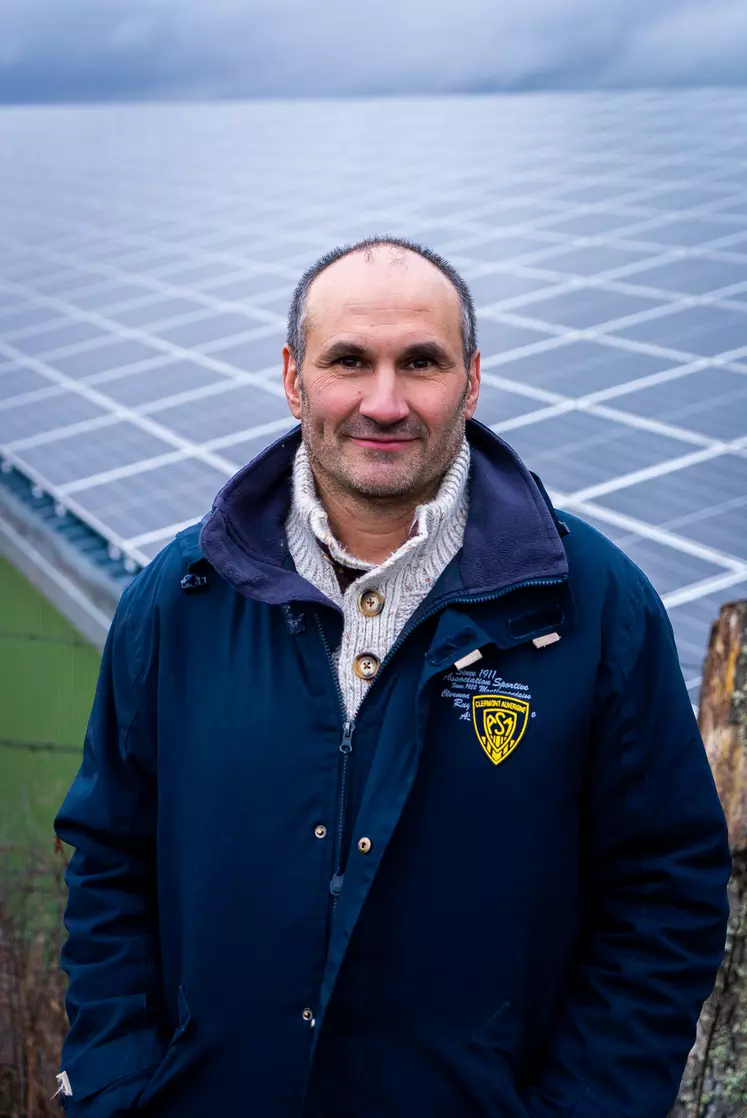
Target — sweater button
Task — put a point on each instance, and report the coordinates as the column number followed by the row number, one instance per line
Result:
column 320, row 831
column 366, row 666
column 371, row 603
column 308, row 1015
column 364, row 845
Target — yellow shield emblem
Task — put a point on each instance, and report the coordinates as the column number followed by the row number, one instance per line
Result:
column 500, row 722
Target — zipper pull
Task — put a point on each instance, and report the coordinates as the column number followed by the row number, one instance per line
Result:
column 335, row 885
column 346, row 745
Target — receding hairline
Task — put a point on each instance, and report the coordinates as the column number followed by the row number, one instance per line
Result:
column 398, row 250
column 398, row 255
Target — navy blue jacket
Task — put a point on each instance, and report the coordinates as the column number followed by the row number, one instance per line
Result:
column 533, row 905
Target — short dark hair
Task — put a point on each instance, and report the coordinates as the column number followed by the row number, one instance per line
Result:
column 296, row 338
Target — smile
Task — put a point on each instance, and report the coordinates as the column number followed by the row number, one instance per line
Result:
column 384, row 444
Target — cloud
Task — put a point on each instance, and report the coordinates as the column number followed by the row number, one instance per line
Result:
column 100, row 49
column 690, row 43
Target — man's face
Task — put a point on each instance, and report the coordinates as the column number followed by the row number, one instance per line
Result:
column 384, row 393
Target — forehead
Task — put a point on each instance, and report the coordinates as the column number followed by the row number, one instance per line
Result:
column 383, row 291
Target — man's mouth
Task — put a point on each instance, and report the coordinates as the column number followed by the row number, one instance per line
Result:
column 383, row 443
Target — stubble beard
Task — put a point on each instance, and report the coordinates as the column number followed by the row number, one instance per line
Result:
column 417, row 482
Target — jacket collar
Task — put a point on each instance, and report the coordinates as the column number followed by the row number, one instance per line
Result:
column 512, row 533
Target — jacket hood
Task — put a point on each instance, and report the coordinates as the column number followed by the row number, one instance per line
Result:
column 512, row 533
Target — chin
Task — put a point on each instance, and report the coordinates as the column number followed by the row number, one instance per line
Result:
column 378, row 486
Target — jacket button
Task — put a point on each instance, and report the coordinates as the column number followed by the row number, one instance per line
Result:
column 320, row 831
column 371, row 603
column 364, row 845
column 308, row 1015
column 366, row 665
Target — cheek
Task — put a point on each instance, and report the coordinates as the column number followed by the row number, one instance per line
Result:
column 436, row 402
column 330, row 402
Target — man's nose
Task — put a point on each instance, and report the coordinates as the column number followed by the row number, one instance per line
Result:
column 383, row 401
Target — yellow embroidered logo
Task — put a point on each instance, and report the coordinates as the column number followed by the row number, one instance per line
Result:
column 500, row 722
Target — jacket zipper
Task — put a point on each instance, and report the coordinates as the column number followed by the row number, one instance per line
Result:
column 346, row 748
column 346, row 744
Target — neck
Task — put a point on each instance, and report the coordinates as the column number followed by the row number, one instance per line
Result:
column 369, row 529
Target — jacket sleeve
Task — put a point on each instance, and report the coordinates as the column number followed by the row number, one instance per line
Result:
column 656, row 864
column 117, row 1019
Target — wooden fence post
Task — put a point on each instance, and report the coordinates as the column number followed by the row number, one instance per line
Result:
column 715, row 1080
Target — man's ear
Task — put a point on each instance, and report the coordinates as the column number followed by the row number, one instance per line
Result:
column 292, row 383
column 473, row 391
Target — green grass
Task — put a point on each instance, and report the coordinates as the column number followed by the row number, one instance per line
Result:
column 32, row 787
column 47, row 680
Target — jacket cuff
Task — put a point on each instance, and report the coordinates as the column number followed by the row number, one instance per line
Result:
column 106, row 1080
column 115, row 1100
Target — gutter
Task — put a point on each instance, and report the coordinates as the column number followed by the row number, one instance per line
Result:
column 83, row 592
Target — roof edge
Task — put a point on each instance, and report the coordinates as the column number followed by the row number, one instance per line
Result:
column 82, row 594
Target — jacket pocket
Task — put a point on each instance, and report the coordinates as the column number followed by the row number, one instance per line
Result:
column 115, row 1071
column 170, row 1063
column 114, row 1096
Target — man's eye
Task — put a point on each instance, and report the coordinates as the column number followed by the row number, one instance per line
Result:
column 349, row 362
column 421, row 362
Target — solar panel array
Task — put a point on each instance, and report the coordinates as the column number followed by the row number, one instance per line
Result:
column 147, row 255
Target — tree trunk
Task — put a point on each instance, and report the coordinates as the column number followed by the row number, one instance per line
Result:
column 715, row 1081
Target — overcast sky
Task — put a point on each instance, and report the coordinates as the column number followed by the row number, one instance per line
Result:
column 68, row 50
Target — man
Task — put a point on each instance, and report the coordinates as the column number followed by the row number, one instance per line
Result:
column 392, row 802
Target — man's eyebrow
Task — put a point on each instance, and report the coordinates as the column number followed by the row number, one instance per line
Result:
column 344, row 349
column 417, row 351
column 434, row 351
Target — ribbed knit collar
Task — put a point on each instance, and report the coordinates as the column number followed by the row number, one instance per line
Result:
column 431, row 519
column 512, row 534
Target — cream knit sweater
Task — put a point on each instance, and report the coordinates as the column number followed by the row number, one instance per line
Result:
column 399, row 584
